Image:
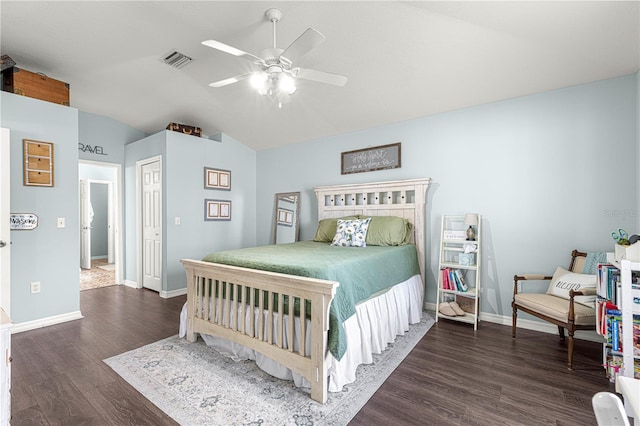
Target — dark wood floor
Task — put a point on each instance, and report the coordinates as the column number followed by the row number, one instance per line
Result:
column 454, row 376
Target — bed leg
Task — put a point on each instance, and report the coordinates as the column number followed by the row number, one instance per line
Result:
column 319, row 385
column 190, row 336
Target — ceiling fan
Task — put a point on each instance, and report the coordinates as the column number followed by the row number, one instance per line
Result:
column 276, row 75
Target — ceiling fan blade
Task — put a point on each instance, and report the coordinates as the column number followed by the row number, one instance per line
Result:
column 232, row 50
column 231, row 80
column 321, row 77
column 303, row 44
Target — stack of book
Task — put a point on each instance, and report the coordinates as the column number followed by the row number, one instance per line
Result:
column 452, row 279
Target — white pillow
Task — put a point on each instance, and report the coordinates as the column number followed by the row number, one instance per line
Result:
column 351, row 233
column 564, row 281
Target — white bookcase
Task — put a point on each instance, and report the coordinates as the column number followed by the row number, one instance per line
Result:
column 625, row 303
column 452, row 245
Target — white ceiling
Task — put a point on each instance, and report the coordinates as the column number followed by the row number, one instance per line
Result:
column 403, row 59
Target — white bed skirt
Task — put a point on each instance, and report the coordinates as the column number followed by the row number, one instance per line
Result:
column 375, row 324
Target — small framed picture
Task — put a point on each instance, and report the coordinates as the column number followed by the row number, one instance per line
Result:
column 217, row 209
column 285, row 217
column 217, row 179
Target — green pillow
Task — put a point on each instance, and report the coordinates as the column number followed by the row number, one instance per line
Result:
column 327, row 229
column 389, row 231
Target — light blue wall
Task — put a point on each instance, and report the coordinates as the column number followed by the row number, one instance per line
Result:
column 103, row 139
column 549, row 173
column 637, row 114
column 185, row 194
column 183, row 160
column 47, row 254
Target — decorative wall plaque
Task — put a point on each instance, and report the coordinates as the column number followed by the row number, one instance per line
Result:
column 23, row 221
column 370, row 159
column 38, row 163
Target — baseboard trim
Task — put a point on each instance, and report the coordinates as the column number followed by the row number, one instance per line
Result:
column 45, row 322
column 131, row 284
column 173, row 293
column 527, row 324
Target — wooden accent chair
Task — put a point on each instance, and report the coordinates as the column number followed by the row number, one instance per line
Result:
column 561, row 312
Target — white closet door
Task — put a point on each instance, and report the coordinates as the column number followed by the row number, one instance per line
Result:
column 151, row 226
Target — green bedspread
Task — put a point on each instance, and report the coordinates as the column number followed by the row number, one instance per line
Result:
column 361, row 272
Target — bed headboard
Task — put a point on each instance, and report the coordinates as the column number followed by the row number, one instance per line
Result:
column 403, row 198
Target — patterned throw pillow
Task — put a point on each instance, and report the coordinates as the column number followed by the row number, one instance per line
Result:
column 351, row 233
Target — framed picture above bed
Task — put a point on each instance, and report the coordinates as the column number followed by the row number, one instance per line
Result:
column 217, row 209
column 217, row 179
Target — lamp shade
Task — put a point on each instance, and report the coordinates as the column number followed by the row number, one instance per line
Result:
column 471, row 219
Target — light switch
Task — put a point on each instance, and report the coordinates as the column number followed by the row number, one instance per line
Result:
column 61, row 222
column 177, row 220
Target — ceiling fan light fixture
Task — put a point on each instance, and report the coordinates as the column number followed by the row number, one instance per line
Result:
column 287, row 84
column 277, row 77
column 258, row 81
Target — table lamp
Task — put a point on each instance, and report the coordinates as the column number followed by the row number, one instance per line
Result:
column 471, row 219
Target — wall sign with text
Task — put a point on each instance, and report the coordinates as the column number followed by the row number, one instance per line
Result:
column 23, row 221
column 369, row 159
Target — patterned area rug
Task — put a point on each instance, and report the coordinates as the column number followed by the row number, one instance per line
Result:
column 194, row 385
column 101, row 274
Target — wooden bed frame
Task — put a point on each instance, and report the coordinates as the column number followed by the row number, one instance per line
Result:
column 218, row 316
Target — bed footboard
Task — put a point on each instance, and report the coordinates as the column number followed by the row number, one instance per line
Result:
column 220, row 296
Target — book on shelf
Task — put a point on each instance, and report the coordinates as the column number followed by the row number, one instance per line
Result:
column 460, row 278
column 613, row 331
column 613, row 364
column 609, row 284
column 452, row 279
column 444, row 277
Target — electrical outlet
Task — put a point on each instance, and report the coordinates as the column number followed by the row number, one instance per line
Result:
column 61, row 222
column 177, row 220
column 35, row 287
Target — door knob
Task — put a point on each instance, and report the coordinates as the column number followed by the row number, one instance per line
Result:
column 2, row 244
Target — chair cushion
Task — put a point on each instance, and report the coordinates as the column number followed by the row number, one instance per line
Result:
column 564, row 281
column 556, row 307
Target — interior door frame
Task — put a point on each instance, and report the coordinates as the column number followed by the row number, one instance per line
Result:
column 117, row 206
column 5, row 234
column 139, row 224
column 85, row 224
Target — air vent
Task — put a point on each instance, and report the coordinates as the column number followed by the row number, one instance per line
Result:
column 175, row 59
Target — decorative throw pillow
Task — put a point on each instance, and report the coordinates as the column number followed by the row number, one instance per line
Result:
column 327, row 229
column 564, row 281
column 351, row 233
column 388, row 231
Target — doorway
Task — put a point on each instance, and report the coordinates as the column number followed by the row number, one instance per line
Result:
column 100, row 224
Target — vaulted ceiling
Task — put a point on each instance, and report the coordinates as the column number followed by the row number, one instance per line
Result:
column 403, row 59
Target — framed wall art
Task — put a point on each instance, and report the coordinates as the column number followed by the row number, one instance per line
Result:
column 369, row 159
column 217, row 209
column 38, row 163
column 217, row 179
